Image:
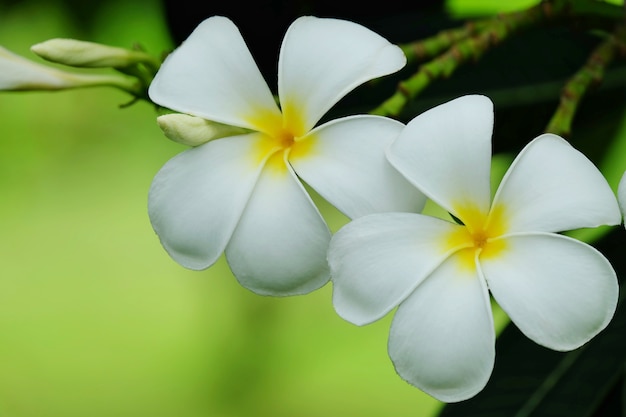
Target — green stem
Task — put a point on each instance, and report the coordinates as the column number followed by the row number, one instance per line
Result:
column 430, row 47
column 130, row 85
column 470, row 42
column 589, row 76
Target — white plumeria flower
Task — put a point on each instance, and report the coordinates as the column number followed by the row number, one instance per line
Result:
column 242, row 194
column 559, row 291
column 20, row 74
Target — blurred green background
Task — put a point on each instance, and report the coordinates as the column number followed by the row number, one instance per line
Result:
column 95, row 318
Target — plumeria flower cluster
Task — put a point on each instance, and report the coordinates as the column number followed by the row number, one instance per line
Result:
column 240, row 189
column 439, row 274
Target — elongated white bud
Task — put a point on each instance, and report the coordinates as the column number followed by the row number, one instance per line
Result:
column 88, row 54
column 20, row 74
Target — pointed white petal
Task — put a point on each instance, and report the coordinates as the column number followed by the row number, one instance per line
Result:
column 559, row 291
column 442, row 337
column 621, row 194
column 196, row 199
column 446, row 153
column 346, row 165
column 213, row 75
column 321, row 60
column 376, row 261
column 552, row 187
column 279, row 247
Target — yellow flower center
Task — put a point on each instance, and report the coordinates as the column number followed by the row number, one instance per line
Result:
column 284, row 136
column 285, row 139
column 479, row 235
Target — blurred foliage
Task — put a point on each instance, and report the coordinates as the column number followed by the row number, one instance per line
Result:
column 469, row 8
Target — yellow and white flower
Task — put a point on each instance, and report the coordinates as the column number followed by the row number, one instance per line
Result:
column 559, row 291
column 242, row 194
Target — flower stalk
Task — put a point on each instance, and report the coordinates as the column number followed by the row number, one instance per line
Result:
column 587, row 78
column 450, row 49
column 431, row 47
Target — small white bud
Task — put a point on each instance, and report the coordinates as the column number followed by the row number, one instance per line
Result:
column 194, row 131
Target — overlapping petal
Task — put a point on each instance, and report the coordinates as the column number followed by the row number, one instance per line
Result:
column 376, row 261
column 279, row 246
column 442, row 338
column 553, row 187
column 213, row 75
column 345, row 163
column 559, row 291
column 321, row 60
column 197, row 198
column 446, row 153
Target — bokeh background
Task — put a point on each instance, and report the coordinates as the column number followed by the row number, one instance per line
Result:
column 96, row 320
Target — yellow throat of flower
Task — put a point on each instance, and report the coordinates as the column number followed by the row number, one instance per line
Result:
column 284, row 137
column 479, row 236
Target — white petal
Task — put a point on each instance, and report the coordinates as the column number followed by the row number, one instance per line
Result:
column 621, row 194
column 442, row 337
column 552, row 187
column 280, row 244
column 446, row 153
column 196, row 199
column 213, row 75
column 346, row 165
column 376, row 261
column 559, row 291
column 321, row 60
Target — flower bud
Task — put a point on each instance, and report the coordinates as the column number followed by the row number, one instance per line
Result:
column 194, row 131
column 88, row 54
column 20, row 74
